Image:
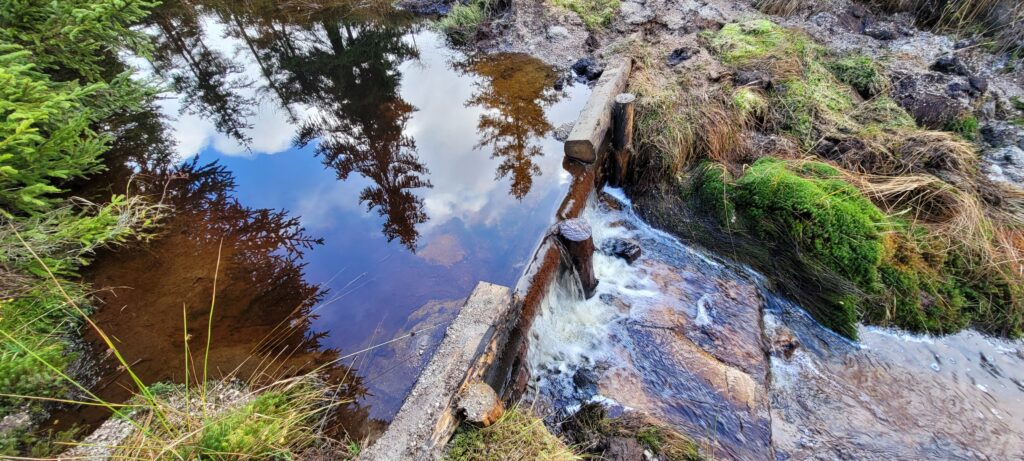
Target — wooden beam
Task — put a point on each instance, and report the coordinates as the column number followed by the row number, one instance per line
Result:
column 590, row 129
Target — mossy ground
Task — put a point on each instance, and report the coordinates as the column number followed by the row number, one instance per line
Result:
column 516, row 434
column 896, row 211
column 595, row 13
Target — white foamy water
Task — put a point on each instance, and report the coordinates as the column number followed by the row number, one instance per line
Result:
column 703, row 347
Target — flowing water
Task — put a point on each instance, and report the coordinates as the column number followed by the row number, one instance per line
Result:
column 346, row 176
column 701, row 345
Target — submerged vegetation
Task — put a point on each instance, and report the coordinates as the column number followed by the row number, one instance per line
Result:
column 815, row 153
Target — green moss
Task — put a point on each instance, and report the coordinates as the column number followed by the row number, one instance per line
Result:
column 741, row 43
column 265, row 428
column 595, row 13
column 825, row 215
column 749, row 102
column 860, row 72
column 806, row 97
column 712, row 189
column 966, row 127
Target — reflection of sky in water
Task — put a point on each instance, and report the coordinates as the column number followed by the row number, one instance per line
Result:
column 476, row 230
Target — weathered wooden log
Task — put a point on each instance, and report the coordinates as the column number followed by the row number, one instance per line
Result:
column 429, row 415
column 622, row 120
column 622, row 137
column 481, row 404
column 575, row 235
column 590, row 129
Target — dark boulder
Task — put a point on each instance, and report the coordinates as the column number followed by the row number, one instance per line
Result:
column 585, row 381
column 881, row 31
column 978, row 84
column 950, row 64
column 756, row 78
column 627, row 249
column 935, row 100
column 588, row 69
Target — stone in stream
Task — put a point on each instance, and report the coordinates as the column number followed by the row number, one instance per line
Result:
column 627, row 249
column 481, row 404
column 588, row 69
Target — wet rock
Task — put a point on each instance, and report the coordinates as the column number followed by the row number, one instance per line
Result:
column 958, row 89
column 627, row 249
column 585, row 380
column 679, row 55
column 1002, row 134
column 881, row 31
column 950, row 64
column 994, row 135
column 624, row 449
column 784, row 343
column 561, row 133
column 635, row 13
column 481, row 404
column 588, row 69
column 1006, row 164
column 756, row 78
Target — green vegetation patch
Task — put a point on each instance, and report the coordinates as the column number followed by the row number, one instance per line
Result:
column 811, row 204
column 860, row 72
column 806, row 99
column 516, row 432
column 463, row 22
column 595, row 13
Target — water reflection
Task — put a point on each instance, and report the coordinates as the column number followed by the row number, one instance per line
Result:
column 362, row 112
column 208, row 81
column 159, row 294
column 360, row 125
column 513, row 90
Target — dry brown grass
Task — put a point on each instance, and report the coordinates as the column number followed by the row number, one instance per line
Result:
column 779, row 7
column 678, row 120
column 1001, row 19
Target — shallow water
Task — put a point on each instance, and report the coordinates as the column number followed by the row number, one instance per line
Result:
column 366, row 178
column 701, row 345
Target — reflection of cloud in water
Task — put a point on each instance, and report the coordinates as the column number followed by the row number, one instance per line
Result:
column 463, row 177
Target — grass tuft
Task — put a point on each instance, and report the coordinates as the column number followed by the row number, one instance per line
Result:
column 463, row 22
column 517, row 433
column 596, row 14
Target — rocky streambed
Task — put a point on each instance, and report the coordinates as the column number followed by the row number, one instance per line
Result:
column 701, row 345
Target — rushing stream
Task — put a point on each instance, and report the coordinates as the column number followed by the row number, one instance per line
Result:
column 701, row 345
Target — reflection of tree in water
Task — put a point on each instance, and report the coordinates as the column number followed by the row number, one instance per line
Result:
column 209, row 82
column 344, row 68
column 352, row 78
column 513, row 91
column 264, row 308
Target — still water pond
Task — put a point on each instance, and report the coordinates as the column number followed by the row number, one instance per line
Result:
column 366, row 178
